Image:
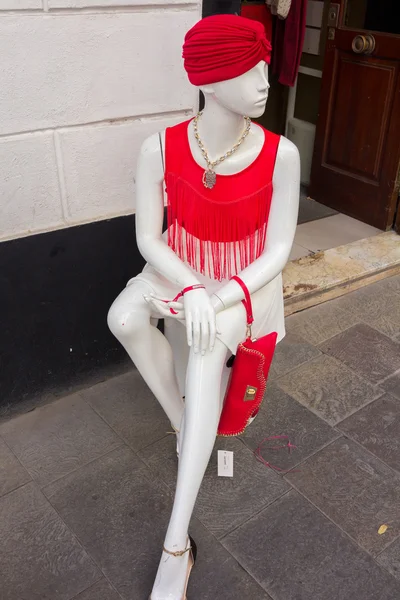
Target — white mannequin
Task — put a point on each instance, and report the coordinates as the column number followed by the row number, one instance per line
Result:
column 130, row 317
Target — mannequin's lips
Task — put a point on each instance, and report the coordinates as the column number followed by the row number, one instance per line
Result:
column 262, row 101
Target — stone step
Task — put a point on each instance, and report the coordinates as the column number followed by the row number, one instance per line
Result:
column 322, row 276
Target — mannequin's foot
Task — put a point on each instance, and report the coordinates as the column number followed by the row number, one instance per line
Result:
column 173, row 573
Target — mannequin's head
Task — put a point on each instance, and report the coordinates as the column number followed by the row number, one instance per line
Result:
column 227, row 57
column 246, row 94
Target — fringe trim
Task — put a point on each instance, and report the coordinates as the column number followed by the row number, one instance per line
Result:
column 215, row 238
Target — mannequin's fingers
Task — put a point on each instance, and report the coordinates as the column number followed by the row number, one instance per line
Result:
column 176, row 305
column 164, row 310
column 155, row 297
column 205, row 334
column 189, row 329
column 196, row 332
column 213, row 331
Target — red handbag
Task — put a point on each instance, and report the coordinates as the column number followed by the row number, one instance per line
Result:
column 248, row 379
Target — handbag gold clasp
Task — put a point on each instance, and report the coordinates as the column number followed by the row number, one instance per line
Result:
column 248, row 332
column 250, row 394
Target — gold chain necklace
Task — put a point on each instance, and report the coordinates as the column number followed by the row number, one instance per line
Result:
column 210, row 176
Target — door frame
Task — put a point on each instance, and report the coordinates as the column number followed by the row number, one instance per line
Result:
column 385, row 217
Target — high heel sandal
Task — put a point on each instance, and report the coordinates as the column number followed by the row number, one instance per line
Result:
column 192, row 549
column 176, row 432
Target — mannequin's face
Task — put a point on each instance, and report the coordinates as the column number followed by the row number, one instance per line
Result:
column 244, row 95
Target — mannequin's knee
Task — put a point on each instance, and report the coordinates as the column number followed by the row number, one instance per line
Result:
column 126, row 323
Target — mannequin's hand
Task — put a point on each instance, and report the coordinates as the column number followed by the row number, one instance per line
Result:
column 200, row 320
column 198, row 312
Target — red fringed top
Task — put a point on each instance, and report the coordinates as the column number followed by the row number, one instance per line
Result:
column 218, row 231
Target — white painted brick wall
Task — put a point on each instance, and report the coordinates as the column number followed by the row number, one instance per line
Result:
column 73, row 69
column 29, row 190
column 20, row 4
column 97, row 82
column 97, row 3
column 99, row 166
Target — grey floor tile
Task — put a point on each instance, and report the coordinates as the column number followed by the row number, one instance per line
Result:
column 127, row 404
column 223, row 502
column 375, row 305
column 56, row 439
column 39, row 556
column 354, row 489
column 295, row 553
column 365, row 350
column 392, row 384
column 321, row 322
column 281, row 415
column 12, row 473
column 390, row 559
column 215, row 576
column 116, row 508
column 101, row 590
column 329, row 388
column 377, row 428
column 290, row 353
column 310, row 210
column 390, row 284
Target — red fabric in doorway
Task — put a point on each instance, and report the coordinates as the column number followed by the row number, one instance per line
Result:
column 259, row 12
column 288, row 43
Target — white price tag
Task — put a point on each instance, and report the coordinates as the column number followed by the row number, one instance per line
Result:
column 225, row 463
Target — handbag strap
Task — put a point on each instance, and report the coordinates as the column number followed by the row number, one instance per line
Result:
column 247, row 301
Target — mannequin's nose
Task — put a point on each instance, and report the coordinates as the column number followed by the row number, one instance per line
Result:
column 263, row 89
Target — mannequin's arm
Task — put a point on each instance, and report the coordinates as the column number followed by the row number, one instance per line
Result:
column 150, row 216
column 280, row 232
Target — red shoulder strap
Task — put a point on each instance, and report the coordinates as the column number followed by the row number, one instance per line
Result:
column 175, row 146
column 247, row 301
column 270, row 151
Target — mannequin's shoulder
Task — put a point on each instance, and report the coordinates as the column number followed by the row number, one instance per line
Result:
column 287, row 151
column 152, row 145
column 287, row 164
column 155, row 143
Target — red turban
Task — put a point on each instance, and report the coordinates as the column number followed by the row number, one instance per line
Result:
column 222, row 47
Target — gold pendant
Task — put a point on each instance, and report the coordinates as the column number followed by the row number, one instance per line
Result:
column 209, row 178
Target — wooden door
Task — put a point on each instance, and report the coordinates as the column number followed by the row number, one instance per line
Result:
column 357, row 144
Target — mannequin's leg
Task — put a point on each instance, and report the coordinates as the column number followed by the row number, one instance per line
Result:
column 202, row 412
column 129, row 319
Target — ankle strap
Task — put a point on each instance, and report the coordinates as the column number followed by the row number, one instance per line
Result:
column 178, row 552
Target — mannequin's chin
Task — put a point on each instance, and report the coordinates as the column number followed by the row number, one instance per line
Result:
column 256, row 111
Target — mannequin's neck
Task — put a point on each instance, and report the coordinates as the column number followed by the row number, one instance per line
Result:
column 219, row 128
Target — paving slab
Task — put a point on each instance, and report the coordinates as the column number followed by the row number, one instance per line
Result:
column 58, row 438
column 116, row 508
column 216, row 574
column 377, row 428
column 366, row 351
column 295, row 552
column 101, row 590
column 321, row 322
column 290, row 353
column 377, row 305
column 223, row 502
column 390, row 559
column 12, row 473
column 392, row 383
column 39, row 556
column 281, row 415
column 329, row 388
column 355, row 490
column 127, row 404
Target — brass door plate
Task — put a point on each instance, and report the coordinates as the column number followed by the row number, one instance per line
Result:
column 331, row 33
column 333, row 14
